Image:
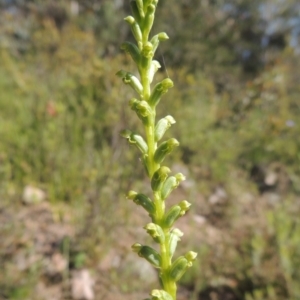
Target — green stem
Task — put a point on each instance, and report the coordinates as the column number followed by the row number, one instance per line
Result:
column 146, row 84
column 149, row 128
column 168, row 284
column 152, row 145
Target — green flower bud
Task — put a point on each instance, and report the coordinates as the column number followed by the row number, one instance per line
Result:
column 147, row 50
column 130, row 79
column 142, row 200
column 134, row 83
column 136, row 11
column 175, row 212
column 178, row 268
column 136, row 247
column 144, row 109
column 136, row 140
column 135, row 28
column 141, row 109
column 155, row 65
column 156, row 232
column 179, row 177
column 160, row 295
column 151, row 255
column 164, row 149
column 140, row 7
column 133, row 102
column 162, row 126
column 170, row 184
column 148, row 21
column 157, row 38
column 159, row 177
column 171, row 216
column 175, row 236
column 131, row 195
column 155, row 42
column 162, row 36
column 147, row 54
column 181, row 264
column 191, row 256
column 185, row 206
column 160, row 89
column 133, row 50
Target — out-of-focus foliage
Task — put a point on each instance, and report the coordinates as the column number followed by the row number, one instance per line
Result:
column 261, row 128
column 58, row 94
column 236, row 102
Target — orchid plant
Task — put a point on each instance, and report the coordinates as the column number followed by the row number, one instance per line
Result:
column 153, row 152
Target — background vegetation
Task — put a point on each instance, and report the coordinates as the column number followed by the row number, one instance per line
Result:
column 235, row 65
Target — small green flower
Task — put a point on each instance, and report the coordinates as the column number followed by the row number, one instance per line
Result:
column 170, row 184
column 133, row 50
column 136, row 139
column 151, row 255
column 175, row 212
column 140, row 7
column 159, row 177
column 135, row 27
column 158, row 38
column 162, row 126
column 142, row 200
column 175, row 236
column 181, row 264
column 164, row 149
column 155, row 65
column 130, row 79
column 159, row 90
column 148, row 21
column 156, row 232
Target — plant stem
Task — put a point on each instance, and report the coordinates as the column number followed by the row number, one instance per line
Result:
column 161, row 229
column 152, row 145
column 146, row 84
column 169, row 285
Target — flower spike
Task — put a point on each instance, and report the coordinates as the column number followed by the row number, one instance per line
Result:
column 154, row 152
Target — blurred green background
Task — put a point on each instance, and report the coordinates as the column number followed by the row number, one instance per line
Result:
column 65, row 170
